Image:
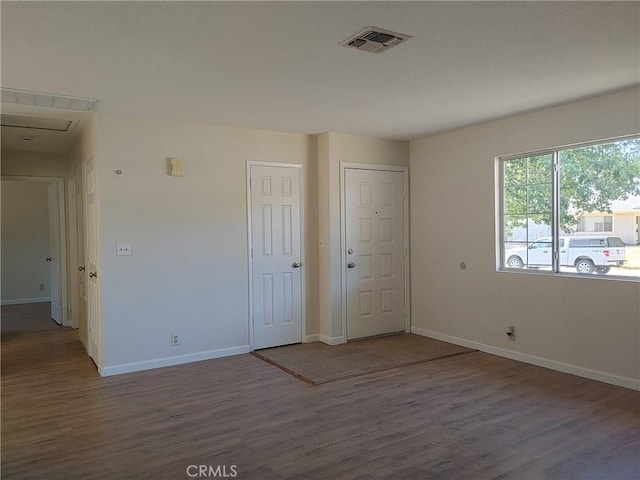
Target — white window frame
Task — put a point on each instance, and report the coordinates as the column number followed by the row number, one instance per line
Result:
column 555, row 217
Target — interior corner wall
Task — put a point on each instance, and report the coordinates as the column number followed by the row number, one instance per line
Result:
column 588, row 326
column 333, row 149
column 25, row 242
column 188, row 272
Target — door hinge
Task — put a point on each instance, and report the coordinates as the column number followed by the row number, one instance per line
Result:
column 404, row 252
column 252, row 253
column 253, row 321
column 250, row 183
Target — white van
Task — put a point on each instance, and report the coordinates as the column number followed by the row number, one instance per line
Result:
column 586, row 254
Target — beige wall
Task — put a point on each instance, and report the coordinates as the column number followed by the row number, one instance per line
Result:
column 587, row 325
column 25, row 242
column 334, row 148
column 36, row 164
column 188, row 272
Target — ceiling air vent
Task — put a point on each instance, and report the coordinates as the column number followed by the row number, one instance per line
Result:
column 375, row 40
column 24, row 97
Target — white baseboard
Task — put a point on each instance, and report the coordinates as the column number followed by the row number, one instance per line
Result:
column 170, row 361
column 605, row 377
column 331, row 340
column 312, row 338
column 22, row 301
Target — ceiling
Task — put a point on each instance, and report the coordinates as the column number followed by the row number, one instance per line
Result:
column 279, row 65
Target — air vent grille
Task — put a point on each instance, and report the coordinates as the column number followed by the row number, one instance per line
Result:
column 24, row 97
column 375, row 40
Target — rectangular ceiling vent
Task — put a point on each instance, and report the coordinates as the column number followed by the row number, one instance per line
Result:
column 36, row 123
column 375, row 40
column 24, row 97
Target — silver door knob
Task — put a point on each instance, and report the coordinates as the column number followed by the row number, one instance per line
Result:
column 351, row 265
column 296, row 265
column 48, row 259
column 93, row 274
column 81, row 268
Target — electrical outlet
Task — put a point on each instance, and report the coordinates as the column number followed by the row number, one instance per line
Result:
column 175, row 340
column 42, row 287
column 511, row 332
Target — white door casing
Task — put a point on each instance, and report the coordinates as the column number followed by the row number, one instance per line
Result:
column 276, row 265
column 375, row 250
column 55, row 254
column 91, row 261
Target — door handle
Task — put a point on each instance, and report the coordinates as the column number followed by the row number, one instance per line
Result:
column 48, row 259
column 81, row 268
column 93, row 274
column 296, row 265
column 351, row 265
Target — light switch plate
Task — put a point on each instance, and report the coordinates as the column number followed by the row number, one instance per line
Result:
column 123, row 249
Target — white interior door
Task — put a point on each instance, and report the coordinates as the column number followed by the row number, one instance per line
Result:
column 81, row 258
column 91, row 261
column 276, row 256
column 55, row 253
column 374, row 222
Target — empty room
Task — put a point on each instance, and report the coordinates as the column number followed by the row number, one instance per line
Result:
column 320, row 240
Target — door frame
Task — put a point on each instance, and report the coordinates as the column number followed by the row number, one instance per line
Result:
column 64, row 280
column 343, row 236
column 300, row 168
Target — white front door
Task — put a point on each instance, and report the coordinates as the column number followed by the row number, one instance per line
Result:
column 91, row 261
column 374, row 220
column 276, row 256
column 55, row 253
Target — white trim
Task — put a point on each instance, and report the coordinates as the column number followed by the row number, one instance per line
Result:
column 589, row 373
column 343, row 236
column 170, row 361
column 332, row 340
column 301, row 181
column 60, row 183
column 22, row 301
column 73, row 307
column 311, row 338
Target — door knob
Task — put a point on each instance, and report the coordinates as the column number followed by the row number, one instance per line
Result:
column 351, row 265
column 296, row 265
column 48, row 259
column 93, row 274
column 81, row 268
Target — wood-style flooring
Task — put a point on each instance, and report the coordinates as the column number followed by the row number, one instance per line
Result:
column 473, row 416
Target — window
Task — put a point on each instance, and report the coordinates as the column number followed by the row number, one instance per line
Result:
column 562, row 211
column 595, row 224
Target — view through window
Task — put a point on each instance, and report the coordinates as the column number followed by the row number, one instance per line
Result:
column 573, row 210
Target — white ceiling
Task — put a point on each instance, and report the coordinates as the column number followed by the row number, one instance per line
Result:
column 279, row 66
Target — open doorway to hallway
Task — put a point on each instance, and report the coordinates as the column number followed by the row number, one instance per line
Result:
column 34, row 244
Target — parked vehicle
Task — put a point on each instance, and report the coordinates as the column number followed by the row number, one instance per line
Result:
column 586, row 254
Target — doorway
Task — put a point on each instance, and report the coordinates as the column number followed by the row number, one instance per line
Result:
column 34, row 246
column 375, row 247
column 276, row 261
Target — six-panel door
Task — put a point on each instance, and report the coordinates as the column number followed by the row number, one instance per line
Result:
column 276, row 259
column 374, row 218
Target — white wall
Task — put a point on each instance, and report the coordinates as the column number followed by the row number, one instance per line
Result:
column 25, row 242
column 334, row 148
column 188, row 274
column 590, row 326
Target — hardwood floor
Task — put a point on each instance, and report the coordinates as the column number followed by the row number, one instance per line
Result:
column 472, row 416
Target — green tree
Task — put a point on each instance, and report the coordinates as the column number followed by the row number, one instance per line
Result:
column 591, row 178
